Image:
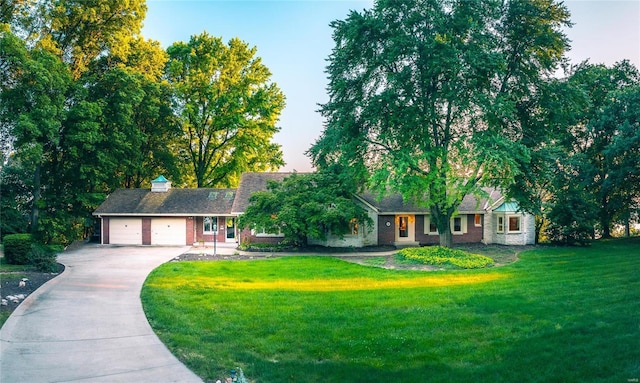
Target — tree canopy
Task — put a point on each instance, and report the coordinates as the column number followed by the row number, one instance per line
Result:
column 88, row 105
column 227, row 108
column 305, row 206
column 425, row 96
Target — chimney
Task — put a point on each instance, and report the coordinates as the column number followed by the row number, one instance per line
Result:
column 160, row 185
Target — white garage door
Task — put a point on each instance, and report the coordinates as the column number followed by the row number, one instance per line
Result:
column 168, row 231
column 125, row 231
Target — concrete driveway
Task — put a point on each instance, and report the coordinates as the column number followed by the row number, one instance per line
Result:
column 87, row 325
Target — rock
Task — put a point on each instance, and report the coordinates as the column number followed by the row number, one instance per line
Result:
column 22, row 284
column 4, row 302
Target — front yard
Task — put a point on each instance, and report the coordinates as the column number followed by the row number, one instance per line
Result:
column 558, row 314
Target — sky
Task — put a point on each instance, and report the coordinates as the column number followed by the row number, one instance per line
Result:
column 294, row 40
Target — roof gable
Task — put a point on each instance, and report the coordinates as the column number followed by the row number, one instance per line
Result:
column 252, row 182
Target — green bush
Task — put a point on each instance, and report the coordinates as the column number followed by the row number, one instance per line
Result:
column 443, row 256
column 43, row 258
column 17, row 248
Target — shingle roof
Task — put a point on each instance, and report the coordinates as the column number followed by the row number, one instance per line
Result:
column 207, row 201
column 251, row 183
column 199, row 202
column 394, row 203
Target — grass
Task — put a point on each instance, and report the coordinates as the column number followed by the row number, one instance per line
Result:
column 558, row 314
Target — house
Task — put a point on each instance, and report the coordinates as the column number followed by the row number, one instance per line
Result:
column 165, row 216
column 399, row 223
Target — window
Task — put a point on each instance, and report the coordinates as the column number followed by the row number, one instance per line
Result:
column 500, row 224
column 457, row 225
column 262, row 232
column 430, row 226
column 514, row 223
column 353, row 226
column 477, row 220
column 210, row 225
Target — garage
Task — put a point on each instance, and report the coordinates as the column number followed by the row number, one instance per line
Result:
column 168, row 231
column 161, row 216
column 125, row 231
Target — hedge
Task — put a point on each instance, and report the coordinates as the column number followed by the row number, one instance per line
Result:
column 17, row 248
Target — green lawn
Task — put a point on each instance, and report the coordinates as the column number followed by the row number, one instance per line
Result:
column 558, row 314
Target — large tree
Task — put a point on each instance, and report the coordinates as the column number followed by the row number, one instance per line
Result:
column 228, row 109
column 605, row 142
column 306, row 206
column 424, row 95
column 33, row 97
column 83, row 110
column 79, row 31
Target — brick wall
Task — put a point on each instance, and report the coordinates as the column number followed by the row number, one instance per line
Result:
column 146, row 231
column 473, row 235
column 386, row 234
column 105, row 230
column 202, row 237
column 246, row 236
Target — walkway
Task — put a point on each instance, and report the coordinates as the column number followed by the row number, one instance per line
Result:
column 87, row 325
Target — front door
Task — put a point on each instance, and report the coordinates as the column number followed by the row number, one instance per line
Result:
column 405, row 231
column 231, row 229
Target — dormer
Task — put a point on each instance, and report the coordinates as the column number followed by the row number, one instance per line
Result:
column 160, row 185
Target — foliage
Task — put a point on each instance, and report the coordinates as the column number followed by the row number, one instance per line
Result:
column 227, row 108
column 424, row 95
column 605, row 145
column 305, row 206
column 580, row 132
column 439, row 256
column 43, row 258
column 562, row 314
column 545, row 118
column 79, row 31
column 571, row 218
column 17, row 248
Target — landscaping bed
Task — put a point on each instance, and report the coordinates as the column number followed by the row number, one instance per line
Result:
column 10, row 285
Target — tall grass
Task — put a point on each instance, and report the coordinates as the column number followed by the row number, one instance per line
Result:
column 558, row 314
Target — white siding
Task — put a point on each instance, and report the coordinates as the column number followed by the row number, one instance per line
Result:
column 367, row 236
column 526, row 236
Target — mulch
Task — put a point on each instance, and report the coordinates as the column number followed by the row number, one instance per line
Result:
column 10, row 284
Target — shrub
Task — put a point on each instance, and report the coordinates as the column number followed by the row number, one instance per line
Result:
column 443, row 256
column 17, row 248
column 43, row 258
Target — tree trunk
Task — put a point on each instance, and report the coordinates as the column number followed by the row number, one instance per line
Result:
column 443, row 222
column 606, row 230
column 627, row 228
column 35, row 210
column 539, row 224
